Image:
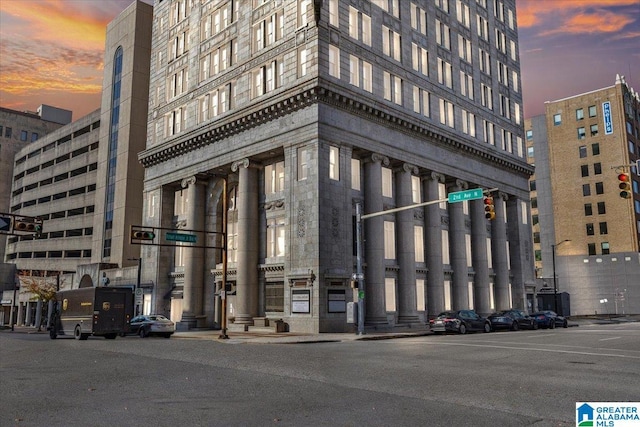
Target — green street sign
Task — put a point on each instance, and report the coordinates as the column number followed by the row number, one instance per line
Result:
column 180, row 237
column 461, row 196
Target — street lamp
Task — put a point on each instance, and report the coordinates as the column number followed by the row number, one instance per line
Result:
column 555, row 277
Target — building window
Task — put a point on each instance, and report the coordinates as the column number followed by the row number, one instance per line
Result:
column 530, row 152
column 275, row 237
column 483, row 28
column 334, row 61
column 532, row 185
column 302, row 62
column 588, row 209
column 360, row 73
column 590, row 231
column 274, row 296
column 594, row 130
column 557, row 119
column 387, row 182
column 268, row 31
column 529, row 135
column 421, row 101
column 462, row 12
column 592, row 111
column 579, row 114
column 334, row 163
column 446, row 113
column 23, row 135
column 391, row 43
column 466, row 85
column 489, row 132
column 415, row 189
column 419, row 59
column 268, row 77
column 274, row 178
column 444, row 73
column 581, row 133
column 597, row 168
column 443, row 35
column 392, row 88
column 468, row 123
column 334, row 17
column 586, row 190
column 418, row 19
column 603, row 228
column 605, row 248
column 584, row 169
column 303, row 163
column 599, row 188
column 485, row 62
column 418, row 237
column 601, row 208
column 390, row 294
column 591, row 248
column 443, row 4
column 355, row 174
column 359, row 26
column 34, row 135
column 389, row 240
column 486, row 96
column 583, row 151
column 464, row 49
column 595, row 149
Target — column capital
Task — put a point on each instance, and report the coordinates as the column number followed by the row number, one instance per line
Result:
column 408, row 167
column 459, row 184
column 434, row 176
column 502, row 195
column 379, row 158
column 192, row 180
column 240, row 163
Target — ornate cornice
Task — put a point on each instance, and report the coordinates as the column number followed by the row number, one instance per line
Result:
column 234, row 124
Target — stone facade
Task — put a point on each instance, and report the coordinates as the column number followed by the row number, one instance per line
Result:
column 274, row 97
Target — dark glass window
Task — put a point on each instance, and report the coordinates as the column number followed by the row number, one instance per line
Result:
column 586, row 190
column 532, row 185
column 584, row 169
column 592, row 248
column 601, row 208
column 597, row 168
column 590, row 231
column 603, row 228
column 595, row 149
column 599, row 188
column 583, row 151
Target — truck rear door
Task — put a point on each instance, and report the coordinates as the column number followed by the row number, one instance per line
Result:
column 110, row 307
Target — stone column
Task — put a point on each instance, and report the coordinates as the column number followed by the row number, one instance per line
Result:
column 405, row 238
column 519, row 235
column 433, row 245
column 248, row 241
column 499, row 251
column 458, row 251
column 213, row 223
column 27, row 320
column 194, row 257
column 479, row 257
column 374, row 242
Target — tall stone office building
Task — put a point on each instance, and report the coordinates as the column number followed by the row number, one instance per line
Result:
column 84, row 179
column 307, row 108
column 580, row 146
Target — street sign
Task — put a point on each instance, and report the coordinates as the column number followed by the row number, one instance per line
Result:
column 357, row 276
column 5, row 223
column 461, row 196
column 180, row 237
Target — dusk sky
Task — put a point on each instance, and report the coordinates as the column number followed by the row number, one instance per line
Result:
column 51, row 51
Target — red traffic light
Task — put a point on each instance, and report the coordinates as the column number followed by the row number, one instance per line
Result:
column 489, row 208
column 624, row 185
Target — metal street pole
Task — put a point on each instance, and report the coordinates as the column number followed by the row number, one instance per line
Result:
column 223, row 291
column 138, row 283
column 359, row 274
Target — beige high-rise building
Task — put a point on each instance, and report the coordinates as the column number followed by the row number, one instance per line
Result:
column 579, row 148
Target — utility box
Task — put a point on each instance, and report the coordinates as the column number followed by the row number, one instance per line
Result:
column 352, row 312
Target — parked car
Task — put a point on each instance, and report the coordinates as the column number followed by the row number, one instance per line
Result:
column 512, row 320
column 549, row 319
column 461, row 321
column 152, row 324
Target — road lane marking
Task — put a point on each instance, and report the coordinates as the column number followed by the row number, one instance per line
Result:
column 586, row 353
column 607, row 339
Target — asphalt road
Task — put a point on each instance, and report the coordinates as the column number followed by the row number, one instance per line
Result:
column 524, row 378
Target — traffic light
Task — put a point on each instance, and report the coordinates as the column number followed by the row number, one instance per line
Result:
column 142, row 235
column 38, row 229
column 27, row 226
column 489, row 208
column 624, row 185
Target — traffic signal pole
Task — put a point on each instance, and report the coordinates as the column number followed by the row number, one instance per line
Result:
column 359, row 276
